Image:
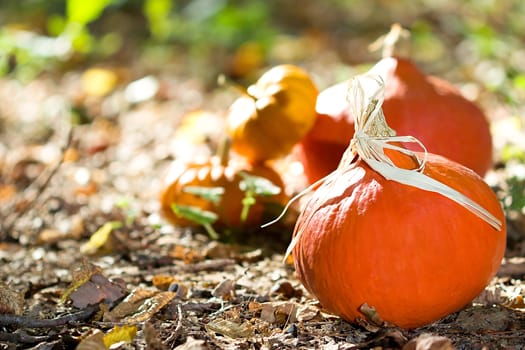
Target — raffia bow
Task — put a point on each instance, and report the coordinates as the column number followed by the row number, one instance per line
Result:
column 371, row 138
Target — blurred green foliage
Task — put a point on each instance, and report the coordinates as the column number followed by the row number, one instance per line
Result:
column 483, row 36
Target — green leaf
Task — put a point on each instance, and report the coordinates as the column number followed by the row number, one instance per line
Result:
column 202, row 217
column 258, row 185
column 195, row 214
column 212, row 194
column 247, row 202
column 517, row 193
column 83, row 12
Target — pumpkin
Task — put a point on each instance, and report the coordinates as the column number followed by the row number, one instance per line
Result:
column 185, row 181
column 415, row 240
column 416, row 104
column 273, row 115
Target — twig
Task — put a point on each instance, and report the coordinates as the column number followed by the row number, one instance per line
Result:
column 5, row 231
column 20, row 337
column 29, row 322
column 206, row 265
column 178, row 329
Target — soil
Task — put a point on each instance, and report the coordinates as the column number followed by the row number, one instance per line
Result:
column 73, row 163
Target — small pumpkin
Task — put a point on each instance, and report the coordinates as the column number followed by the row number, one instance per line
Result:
column 216, row 185
column 416, row 104
column 273, row 115
column 391, row 231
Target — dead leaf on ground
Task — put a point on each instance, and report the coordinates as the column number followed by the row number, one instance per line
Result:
column 120, row 334
column 11, row 301
column 231, row 329
column 97, row 289
column 92, row 341
column 139, row 306
column 279, row 312
column 225, row 290
column 193, row 344
column 163, row 282
column 429, row 342
column 152, row 337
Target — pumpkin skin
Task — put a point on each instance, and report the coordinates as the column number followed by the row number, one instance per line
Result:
column 414, row 255
column 416, row 104
column 216, row 173
column 274, row 114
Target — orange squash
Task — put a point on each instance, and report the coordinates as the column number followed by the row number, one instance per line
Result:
column 217, row 172
column 415, row 255
column 416, row 104
column 274, row 114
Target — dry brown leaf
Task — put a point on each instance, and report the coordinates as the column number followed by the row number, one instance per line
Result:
column 371, row 314
column 7, row 192
column 94, row 341
column 307, row 313
column 286, row 289
column 129, row 305
column 279, row 312
column 97, row 289
column 231, row 329
column 152, row 337
column 150, row 307
column 186, row 254
column 11, row 301
column 225, row 290
column 163, row 282
column 429, row 342
column 193, row 344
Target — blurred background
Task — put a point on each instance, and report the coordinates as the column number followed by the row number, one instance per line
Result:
column 480, row 41
column 88, row 62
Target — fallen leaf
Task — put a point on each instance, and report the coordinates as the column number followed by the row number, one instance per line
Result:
column 193, row 344
column 94, row 341
column 129, row 305
column 225, row 290
column 97, row 289
column 99, row 82
column 186, row 254
column 152, row 337
column 371, row 314
column 230, row 329
column 7, row 192
column 81, row 273
column 139, row 306
column 307, row 313
column 11, row 301
column 163, row 282
column 285, row 289
column 98, row 240
column 279, row 312
column 120, row 334
column 429, row 342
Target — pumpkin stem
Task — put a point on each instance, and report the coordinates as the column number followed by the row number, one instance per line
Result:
column 390, row 42
column 224, row 151
column 373, row 137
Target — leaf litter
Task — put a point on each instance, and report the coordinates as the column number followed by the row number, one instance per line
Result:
column 86, row 258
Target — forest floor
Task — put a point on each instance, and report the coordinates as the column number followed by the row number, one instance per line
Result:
column 60, row 184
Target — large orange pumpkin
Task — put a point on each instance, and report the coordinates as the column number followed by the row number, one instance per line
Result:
column 416, row 104
column 217, row 172
column 414, row 255
column 274, row 114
